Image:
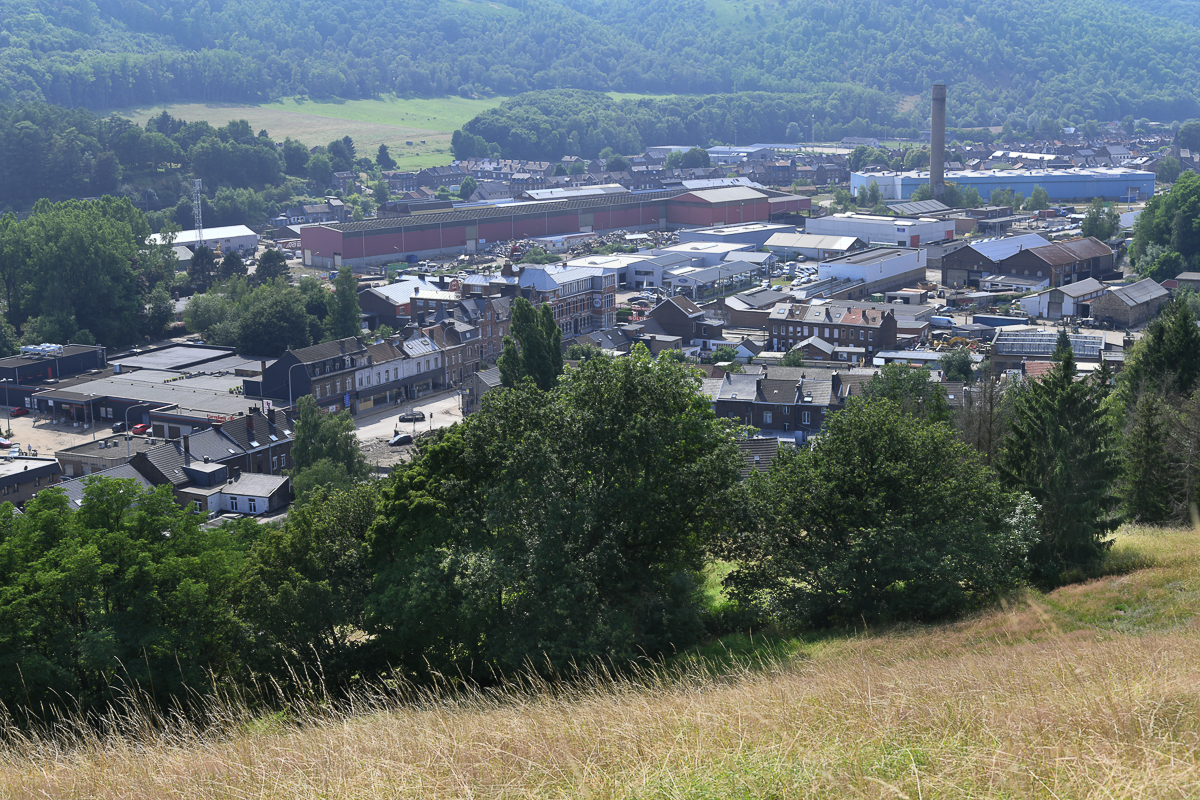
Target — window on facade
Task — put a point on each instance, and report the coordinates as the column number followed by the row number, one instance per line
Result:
column 804, row 417
column 274, row 465
column 835, row 333
column 328, row 389
column 233, row 506
column 253, row 505
column 861, row 335
column 871, row 335
column 339, row 385
column 767, row 417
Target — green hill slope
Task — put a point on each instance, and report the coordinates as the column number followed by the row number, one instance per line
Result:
column 1080, row 59
column 1089, row 691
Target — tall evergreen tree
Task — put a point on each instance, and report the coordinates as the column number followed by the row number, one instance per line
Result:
column 1147, row 474
column 535, row 348
column 345, row 314
column 1058, row 451
column 1167, row 357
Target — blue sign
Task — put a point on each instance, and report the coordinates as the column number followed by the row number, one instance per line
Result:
column 346, row 402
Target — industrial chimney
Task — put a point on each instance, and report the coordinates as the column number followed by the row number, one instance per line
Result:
column 937, row 143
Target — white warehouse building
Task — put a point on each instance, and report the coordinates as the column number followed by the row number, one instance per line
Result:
column 226, row 238
column 881, row 269
column 873, row 229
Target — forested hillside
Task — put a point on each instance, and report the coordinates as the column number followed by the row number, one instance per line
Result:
column 1078, row 60
column 555, row 123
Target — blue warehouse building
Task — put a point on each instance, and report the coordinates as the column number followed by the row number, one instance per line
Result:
column 1081, row 183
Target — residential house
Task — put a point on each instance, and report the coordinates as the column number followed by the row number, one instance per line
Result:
column 436, row 177
column 344, row 182
column 870, row 327
column 401, row 182
column 681, row 317
column 458, row 342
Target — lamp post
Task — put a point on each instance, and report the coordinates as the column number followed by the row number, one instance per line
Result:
column 127, row 436
column 291, row 399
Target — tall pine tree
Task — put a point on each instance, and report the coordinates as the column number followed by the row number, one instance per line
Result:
column 1058, row 451
column 1167, row 358
column 1147, row 473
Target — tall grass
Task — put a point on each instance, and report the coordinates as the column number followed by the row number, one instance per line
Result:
column 1031, row 700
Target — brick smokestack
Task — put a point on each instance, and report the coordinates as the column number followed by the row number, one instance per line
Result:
column 937, row 142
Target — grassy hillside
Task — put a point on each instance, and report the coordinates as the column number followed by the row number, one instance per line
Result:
column 1092, row 690
column 426, row 122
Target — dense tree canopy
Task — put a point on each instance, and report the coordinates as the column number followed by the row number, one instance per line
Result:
column 557, row 525
column 1014, row 65
column 855, row 530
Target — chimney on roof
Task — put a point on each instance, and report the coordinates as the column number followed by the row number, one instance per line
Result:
column 187, row 445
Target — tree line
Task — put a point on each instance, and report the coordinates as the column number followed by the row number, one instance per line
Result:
column 1008, row 65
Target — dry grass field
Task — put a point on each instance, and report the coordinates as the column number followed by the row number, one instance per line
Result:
column 1089, row 691
column 427, row 123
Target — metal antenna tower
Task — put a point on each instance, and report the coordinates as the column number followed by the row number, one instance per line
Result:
column 197, row 211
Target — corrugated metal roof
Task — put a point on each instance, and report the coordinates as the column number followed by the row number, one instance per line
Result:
column 504, row 210
column 729, row 194
column 1000, row 249
column 919, row 207
column 810, row 241
column 1143, row 291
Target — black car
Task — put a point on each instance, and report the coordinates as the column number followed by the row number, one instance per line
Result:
column 117, row 427
column 412, row 416
column 401, row 438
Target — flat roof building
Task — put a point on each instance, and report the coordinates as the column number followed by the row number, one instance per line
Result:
column 1080, row 183
column 873, row 229
column 225, row 237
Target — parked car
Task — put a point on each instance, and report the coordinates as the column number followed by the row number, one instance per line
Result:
column 401, row 438
column 117, row 427
column 139, row 429
column 19, row 411
column 412, row 416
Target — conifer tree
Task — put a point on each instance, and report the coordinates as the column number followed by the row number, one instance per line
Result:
column 534, row 349
column 1058, row 451
column 1146, row 469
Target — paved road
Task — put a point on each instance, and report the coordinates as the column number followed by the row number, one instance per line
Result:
column 441, row 411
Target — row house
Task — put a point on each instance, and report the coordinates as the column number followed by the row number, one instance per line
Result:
column 783, row 400
column 326, row 371
column 582, row 298
column 332, row 210
column 401, row 182
column 344, row 182
column 459, row 344
column 871, row 327
column 402, row 368
column 491, row 316
column 436, row 177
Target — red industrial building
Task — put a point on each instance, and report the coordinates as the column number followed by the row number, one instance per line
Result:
column 466, row 230
column 731, row 205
